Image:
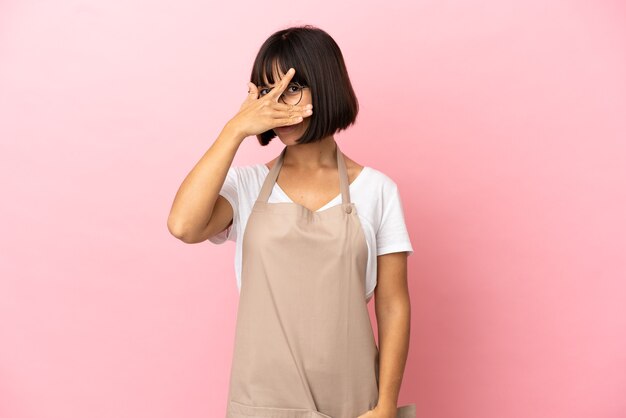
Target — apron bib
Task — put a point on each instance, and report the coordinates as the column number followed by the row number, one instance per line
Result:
column 304, row 344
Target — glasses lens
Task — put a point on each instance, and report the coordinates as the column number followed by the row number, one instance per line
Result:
column 292, row 94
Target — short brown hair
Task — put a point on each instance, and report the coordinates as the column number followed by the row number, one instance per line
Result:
column 319, row 65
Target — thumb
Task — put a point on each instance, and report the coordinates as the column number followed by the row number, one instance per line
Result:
column 253, row 91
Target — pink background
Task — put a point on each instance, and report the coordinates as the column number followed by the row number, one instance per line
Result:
column 503, row 124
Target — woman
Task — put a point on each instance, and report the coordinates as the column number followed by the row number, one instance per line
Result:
column 317, row 235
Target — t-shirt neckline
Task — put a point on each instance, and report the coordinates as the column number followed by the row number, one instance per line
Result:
column 353, row 183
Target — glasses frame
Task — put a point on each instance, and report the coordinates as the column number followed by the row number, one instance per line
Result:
column 281, row 98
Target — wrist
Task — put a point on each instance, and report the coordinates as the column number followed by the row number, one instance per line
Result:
column 232, row 130
column 386, row 410
column 387, row 404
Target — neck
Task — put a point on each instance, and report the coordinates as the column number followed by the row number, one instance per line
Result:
column 312, row 156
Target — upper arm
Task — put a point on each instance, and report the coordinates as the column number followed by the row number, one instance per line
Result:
column 224, row 222
column 391, row 281
column 221, row 219
column 392, row 234
column 393, row 246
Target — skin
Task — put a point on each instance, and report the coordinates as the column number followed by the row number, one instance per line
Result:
column 309, row 176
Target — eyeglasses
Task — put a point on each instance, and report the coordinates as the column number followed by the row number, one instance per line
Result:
column 292, row 94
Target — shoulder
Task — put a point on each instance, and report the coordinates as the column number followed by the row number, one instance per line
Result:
column 379, row 181
column 374, row 192
column 247, row 179
column 248, row 172
column 376, row 180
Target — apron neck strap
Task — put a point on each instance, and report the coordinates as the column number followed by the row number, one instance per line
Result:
column 268, row 184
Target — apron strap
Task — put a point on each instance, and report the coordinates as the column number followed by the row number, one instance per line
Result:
column 271, row 177
column 344, row 184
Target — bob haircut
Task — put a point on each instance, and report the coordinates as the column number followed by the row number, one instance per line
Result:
column 319, row 65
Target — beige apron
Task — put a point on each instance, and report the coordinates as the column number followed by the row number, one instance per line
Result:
column 304, row 345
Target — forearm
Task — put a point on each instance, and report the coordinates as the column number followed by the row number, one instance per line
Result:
column 394, row 324
column 193, row 204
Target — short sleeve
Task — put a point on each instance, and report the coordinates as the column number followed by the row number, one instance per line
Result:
column 229, row 192
column 392, row 234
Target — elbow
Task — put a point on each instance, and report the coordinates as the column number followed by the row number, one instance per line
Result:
column 178, row 229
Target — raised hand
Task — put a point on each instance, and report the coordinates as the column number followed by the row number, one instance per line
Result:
column 258, row 115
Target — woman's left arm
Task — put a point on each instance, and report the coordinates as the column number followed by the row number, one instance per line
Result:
column 393, row 315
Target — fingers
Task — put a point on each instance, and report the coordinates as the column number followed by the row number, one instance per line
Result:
column 289, row 121
column 292, row 117
column 292, row 111
column 283, row 106
column 282, row 85
column 253, row 91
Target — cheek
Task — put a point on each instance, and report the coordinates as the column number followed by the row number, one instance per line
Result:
column 306, row 98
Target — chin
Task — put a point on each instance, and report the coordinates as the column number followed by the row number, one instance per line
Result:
column 290, row 135
column 289, row 141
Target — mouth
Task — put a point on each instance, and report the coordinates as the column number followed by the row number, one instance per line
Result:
column 287, row 129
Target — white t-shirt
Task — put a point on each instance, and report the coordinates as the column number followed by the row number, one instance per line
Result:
column 374, row 194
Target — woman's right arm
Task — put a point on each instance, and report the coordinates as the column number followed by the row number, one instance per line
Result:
column 198, row 211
